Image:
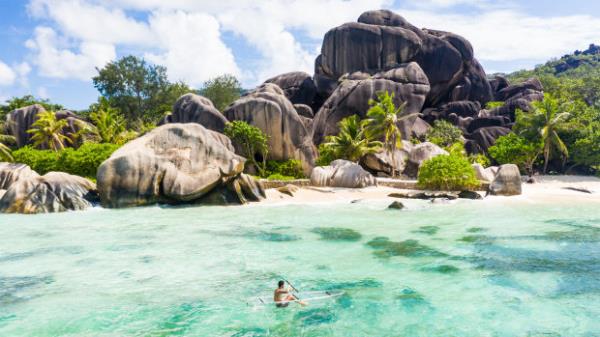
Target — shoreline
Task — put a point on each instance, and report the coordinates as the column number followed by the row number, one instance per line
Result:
column 546, row 189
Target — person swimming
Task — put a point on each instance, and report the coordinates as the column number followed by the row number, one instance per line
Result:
column 282, row 296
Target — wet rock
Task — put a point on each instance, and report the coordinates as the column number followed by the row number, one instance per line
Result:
column 507, row 181
column 341, row 173
column 396, row 205
column 174, row 164
column 337, row 234
column 192, row 108
column 470, row 195
column 424, row 195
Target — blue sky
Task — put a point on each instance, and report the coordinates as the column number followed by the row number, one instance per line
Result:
column 50, row 48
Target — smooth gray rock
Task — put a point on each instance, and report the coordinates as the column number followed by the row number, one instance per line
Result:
column 381, row 162
column 482, row 174
column 298, row 87
column 341, row 173
column 174, row 163
column 52, row 192
column 192, row 108
column 420, row 153
column 396, row 205
column 507, row 181
column 268, row 109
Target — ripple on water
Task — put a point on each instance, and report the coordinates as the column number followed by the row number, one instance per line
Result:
column 428, row 230
column 316, row 316
column 72, row 250
column 11, row 288
column 337, row 234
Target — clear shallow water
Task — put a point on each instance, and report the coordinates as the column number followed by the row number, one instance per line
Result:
column 467, row 269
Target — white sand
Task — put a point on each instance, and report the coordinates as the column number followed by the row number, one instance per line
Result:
column 547, row 189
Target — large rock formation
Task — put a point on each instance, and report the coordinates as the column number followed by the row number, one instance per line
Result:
column 20, row 120
column 298, row 87
column 270, row 110
column 25, row 191
column 406, row 82
column 174, row 164
column 420, row 153
column 341, row 173
column 383, row 40
column 507, row 181
column 192, row 108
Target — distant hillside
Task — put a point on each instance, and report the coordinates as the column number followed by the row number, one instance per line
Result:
column 580, row 64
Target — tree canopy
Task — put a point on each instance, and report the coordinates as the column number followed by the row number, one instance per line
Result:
column 222, row 90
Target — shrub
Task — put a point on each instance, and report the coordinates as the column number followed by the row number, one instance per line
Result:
column 514, row 149
column 480, row 159
column 326, row 155
column 449, row 173
column 494, row 104
column 83, row 161
column 444, row 134
column 290, row 168
column 251, row 140
column 277, row 176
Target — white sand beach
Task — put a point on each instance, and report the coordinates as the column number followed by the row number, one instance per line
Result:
column 546, row 189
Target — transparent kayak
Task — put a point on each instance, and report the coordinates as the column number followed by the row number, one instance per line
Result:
column 306, row 296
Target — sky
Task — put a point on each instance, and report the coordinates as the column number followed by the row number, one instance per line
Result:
column 51, row 48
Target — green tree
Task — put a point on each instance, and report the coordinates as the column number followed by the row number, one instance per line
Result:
column 48, row 131
column 443, row 134
column 545, row 120
column 586, row 150
column 351, row 142
column 383, row 120
column 140, row 91
column 110, row 125
column 222, row 90
column 251, row 140
column 5, row 151
column 514, row 149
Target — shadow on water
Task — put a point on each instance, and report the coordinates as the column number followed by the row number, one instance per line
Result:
column 271, row 236
column 11, row 288
column 71, row 250
column 337, row 234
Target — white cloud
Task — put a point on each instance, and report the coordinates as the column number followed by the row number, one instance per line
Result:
column 191, row 47
column 54, row 60
column 7, row 75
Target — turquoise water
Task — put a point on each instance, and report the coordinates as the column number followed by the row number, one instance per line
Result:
column 466, row 269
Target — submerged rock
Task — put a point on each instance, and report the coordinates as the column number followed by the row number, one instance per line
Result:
column 429, row 230
column 409, row 248
column 337, row 234
column 396, row 205
column 470, row 195
column 175, row 164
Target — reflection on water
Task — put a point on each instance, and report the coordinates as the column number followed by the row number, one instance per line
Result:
column 433, row 270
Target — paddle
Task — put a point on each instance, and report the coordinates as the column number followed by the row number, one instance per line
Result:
column 291, row 285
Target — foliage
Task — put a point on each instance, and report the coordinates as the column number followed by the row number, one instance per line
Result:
column 480, row 159
column 278, row 176
column 351, row 142
column 449, row 173
column 140, row 91
column 326, row 155
column 290, row 168
column 493, row 105
column 251, row 140
column 544, row 122
column 514, row 149
column 222, row 90
column 20, row 102
column 110, row 125
column 382, row 122
column 47, row 131
column 443, row 134
column 83, row 161
column 586, row 150
column 5, row 151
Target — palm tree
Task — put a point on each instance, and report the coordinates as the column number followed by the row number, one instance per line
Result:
column 5, row 151
column 544, row 121
column 351, row 142
column 382, row 122
column 48, row 131
column 109, row 124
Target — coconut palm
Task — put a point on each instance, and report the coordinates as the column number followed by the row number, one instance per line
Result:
column 383, row 120
column 5, row 151
column 544, row 121
column 109, row 124
column 48, row 131
column 351, row 142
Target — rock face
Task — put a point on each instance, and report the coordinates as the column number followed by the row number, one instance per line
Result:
column 483, row 174
column 20, row 120
column 27, row 192
column 420, row 153
column 268, row 108
column 381, row 163
column 382, row 40
column 192, row 108
column 407, row 83
column 341, row 173
column 483, row 138
column 298, row 87
column 507, row 181
column 174, row 164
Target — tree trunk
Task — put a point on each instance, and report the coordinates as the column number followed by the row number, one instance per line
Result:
column 546, row 157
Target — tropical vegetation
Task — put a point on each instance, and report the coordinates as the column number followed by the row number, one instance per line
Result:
column 351, row 142
column 451, row 172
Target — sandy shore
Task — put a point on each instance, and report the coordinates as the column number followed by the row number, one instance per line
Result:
column 547, row 189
